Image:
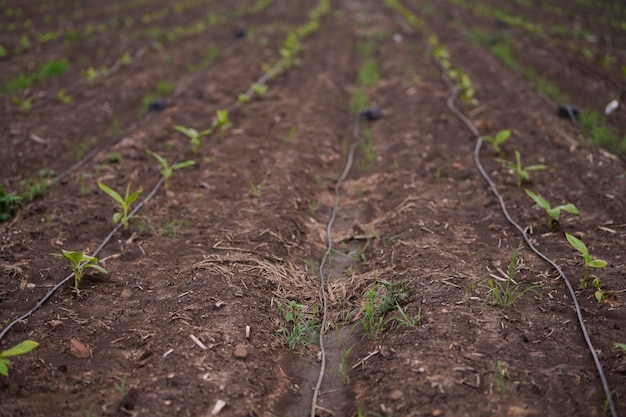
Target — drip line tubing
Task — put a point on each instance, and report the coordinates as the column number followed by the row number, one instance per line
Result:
column 492, row 186
column 329, row 247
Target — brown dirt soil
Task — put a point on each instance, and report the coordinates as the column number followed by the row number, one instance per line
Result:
column 193, row 309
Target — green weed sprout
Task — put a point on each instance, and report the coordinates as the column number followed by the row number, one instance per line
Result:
column 298, row 324
column 497, row 140
column 193, row 135
column 343, row 370
column 255, row 189
column 166, row 169
column 379, row 301
column 124, row 203
column 621, row 346
column 505, row 295
column 590, row 262
column 80, row 262
column 19, row 349
column 554, row 213
column 522, row 173
column 9, row 205
column 502, row 375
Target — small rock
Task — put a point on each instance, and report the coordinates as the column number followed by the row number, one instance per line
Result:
column 157, row 105
column 56, row 325
column 569, row 112
column 437, row 412
column 239, row 33
column 241, row 352
column 79, row 350
column 371, row 114
column 396, row 395
column 126, row 293
column 515, row 411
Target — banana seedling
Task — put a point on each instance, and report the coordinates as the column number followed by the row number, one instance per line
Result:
column 193, row 135
column 522, row 173
column 19, row 349
column 166, row 169
column 80, row 262
column 554, row 213
column 497, row 140
column 124, row 203
column 590, row 262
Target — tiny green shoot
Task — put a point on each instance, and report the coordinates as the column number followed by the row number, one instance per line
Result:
column 621, row 346
column 554, row 213
column 256, row 189
column 80, row 262
column 19, row 349
column 497, row 140
column 298, row 324
column 502, row 375
column 522, row 173
column 166, row 169
column 506, row 294
column 124, row 203
column 589, row 260
column 343, row 369
column 193, row 135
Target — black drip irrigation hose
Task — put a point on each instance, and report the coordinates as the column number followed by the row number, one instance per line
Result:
column 329, row 247
column 492, row 186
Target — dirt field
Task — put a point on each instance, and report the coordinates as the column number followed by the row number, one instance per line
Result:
column 226, row 294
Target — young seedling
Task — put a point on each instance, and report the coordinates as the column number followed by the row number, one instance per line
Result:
column 19, row 349
column 621, row 346
column 124, row 203
column 554, row 213
column 497, row 140
column 522, row 173
column 80, row 262
column 255, row 189
column 505, row 295
column 193, row 135
column 9, row 205
column 166, row 169
column 590, row 262
column 221, row 120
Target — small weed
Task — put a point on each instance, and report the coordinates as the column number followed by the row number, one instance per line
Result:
column 19, row 349
column 505, row 295
column 121, row 387
column 290, row 136
column 124, row 203
column 313, row 208
column 116, row 130
column 408, row 321
column 343, row 369
column 498, row 140
column 554, row 213
column 24, row 104
column 256, row 189
column 9, row 205
column 169, row 229
column 63, row 97
column 80, row 262
column 83, row 147
column 114, row 157
column 522, row 173
column 298, row 324
column 589, row 261
column 166, row 169
column 502, row 375
column 380, row 299
column 621, row 346
column 367, row 147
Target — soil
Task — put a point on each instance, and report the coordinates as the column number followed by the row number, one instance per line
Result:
column 190, row 318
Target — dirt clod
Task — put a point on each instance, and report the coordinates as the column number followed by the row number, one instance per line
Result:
column 79, row 350
column 241, row 352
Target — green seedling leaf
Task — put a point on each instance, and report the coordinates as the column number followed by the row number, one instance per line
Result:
column 541, row 202
column 621, row 345
column 113, row 194
column 189, row 132
column 166, row 169
column 80, row 262
column 577, row 244
column 19, row 349
column 124, row 203
column 597, row 263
